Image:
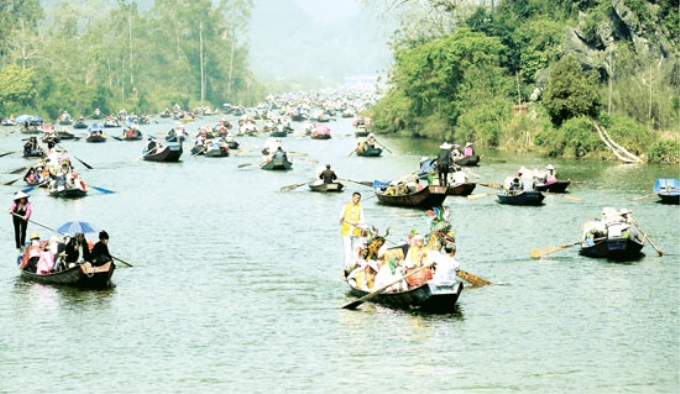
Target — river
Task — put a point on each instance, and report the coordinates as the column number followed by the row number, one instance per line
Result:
column 236, row 287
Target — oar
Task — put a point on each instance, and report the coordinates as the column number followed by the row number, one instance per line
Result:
column 101, row 189
column 6, row 153
column 199, row 151
column 364, row 183
column 564, row 196
column 26, row 167
column 659, row 251
column 540, row 252
column 117, row 138
column 290, row 188
column 647, row 196
column 476, row 196
column 243, row 151
column 491, row 185
column 350, row 153
column 354, row 304
column 298, row 153
column 474, row 279
column 82, row 162
column 12, row 181
column 247, row 164
column 29, row 189
column 386, row 148
column 51, row 229
column 313, row 161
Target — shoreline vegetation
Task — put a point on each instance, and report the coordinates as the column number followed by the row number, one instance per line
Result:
column 553, row 77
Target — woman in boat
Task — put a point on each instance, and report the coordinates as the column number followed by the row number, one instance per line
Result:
column 73, row 247
column 416, row 253
column 21, row 212
column 551, row 175
column 468, row 151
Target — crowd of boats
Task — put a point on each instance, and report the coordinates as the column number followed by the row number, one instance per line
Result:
column 421, row 283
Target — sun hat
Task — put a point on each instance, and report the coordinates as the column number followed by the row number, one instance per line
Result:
column 34, row 235
column 19, row 195
column 625, row 211
column 468, row 144
column 424, row 159
column 550, row 167
column 445, row 145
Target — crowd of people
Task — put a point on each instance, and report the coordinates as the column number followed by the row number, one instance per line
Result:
column 528, row 180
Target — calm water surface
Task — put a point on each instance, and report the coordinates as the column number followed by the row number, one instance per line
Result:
column 236, row 286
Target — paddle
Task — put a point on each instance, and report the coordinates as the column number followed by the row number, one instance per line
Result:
column 29, row 189
column 476, row 196
column 564, row 196
column 102, row 190
column 6, row 153
column 298, row 153
column 491, row 185
column 647, row 196
column 354, row 304
column 540, row 252
column 659, row 251
column 22, row 169
column 198, row 152
column 474, row 279
column 247, row 164
column 82, row 162
column 116, row 138
column 364, row 183
column 53, row 230
column 350, row 153
column 243, row 151
column 289, row 188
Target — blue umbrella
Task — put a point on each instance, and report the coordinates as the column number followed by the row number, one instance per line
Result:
column 77, row 227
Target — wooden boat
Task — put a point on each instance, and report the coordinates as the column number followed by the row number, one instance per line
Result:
column 278, row 133
column 427, row 297
column 371, row 152
column 83, row 276
column 557, row 187
column 33, row 154
column 131, row 135
column 67, row 192
column 197, row 150
column 96, row 138
column 427, row 197
column 467, row 161
column 216, row 151
column 320, row 186
column 668, row 190
column 527, row 197
column 111, row 123
column 232, row 144
column 170, row 153
column 80, row 124
column 277, row 164
column 65, row 135
column 461, row 189
column 625, row 245
column 361, row 133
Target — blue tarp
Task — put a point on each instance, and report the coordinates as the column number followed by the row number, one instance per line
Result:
column 672, row 184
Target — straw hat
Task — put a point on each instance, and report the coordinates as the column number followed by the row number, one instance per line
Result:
column 550, row 167
column 34, row 235
column 625, row 211
column 468, row 144
column 19, row 195
column 445, row 145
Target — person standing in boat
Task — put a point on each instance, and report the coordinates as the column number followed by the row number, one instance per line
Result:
column 328, row 175
column 444, row 161
column 21, row 212
column 351, row 222
column 100, row 252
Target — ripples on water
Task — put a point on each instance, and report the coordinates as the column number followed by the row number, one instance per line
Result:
column 236, row 286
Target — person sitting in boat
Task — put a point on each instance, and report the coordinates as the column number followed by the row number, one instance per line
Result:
column 469, row 150
column 100, row 252
column 328, row 175
column 30, row 146
column 73, row 248
column 280, row 154
column 49, row 256
column 371, row 142
column 390, row 271
column 152, row 146
column 29, row 261
column 516, row 185
column 459, row 176
column 97, row 112
column 551, row 175
column 415, row 254
column 455, row 151
column 445, row 265
column 625, row 214
column 78, row 182
column 65, row 117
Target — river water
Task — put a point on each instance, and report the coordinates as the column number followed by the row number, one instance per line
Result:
column 236, row 287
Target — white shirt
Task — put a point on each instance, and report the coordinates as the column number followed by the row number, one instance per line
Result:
column 446, row 267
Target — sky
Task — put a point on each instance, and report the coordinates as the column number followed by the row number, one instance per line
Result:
column 331, row 11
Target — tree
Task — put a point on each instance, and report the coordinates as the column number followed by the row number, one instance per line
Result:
column 16, row 86
column 571, row 92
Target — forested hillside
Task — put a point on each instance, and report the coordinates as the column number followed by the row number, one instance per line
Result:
column 86, row 55
column 542, row 76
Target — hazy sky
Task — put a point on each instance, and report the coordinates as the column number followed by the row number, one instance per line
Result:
column 330, row 11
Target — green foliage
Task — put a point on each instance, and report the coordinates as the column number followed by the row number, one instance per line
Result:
column 571, row 91
column 16, row 86
column 390, row 115
column 664, row 152
column 483, row 123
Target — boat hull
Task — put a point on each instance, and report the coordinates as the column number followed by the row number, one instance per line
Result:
column 614, row 248
column 373, row 152
column 467, row 161
column 427, row 298
column 171, row 153
column 461, row 189
column 83, row 276
column 334, row 187
column 532, row 198
column 428, row 197
column 277, row 164
column 557, row 187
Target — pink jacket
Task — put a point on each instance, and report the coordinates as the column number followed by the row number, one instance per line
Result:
column 29, row 210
